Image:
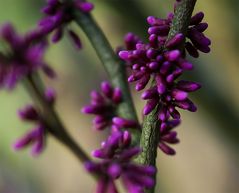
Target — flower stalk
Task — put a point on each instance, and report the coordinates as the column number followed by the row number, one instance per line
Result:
column 150, row 130
column 55, row 127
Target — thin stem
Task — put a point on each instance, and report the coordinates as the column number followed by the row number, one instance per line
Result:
column 54, row 125
column 113, row 65
column 150, row 131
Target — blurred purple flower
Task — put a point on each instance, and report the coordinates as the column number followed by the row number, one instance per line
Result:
column 103, row 105
column 59, row 15
column 24, row 55
column 35, row 137
column 117, row 163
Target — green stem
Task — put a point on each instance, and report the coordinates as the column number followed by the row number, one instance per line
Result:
column 54, row 125
column 150, row 131
column 113, row 65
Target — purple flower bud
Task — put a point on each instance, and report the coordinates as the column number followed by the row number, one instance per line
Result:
column 124, row 123
column 50, row 95
column 114, row 170
column 96, row 109
column 173, row 123
column 126, row 138
column 141, row 84
column 173, row 55
column 23, row 142
column 29, row 113
column 173, row 112
column 38, row 146
column 98, row 153
column 201, row 27
column 117, row 95
column 96, row 97
column 179, row 95
column 136, row 76
column 197, row 18
column 187, row 105
column 150, row 93
column 35, row 137
column 49, row 71
column 160, row 59
column 124, row 55
column 153, row 40
column 100, row 126
column 159, row 30
column 175, row 41
column 151, row 104
column 57, row 35
column 153, row 65
column 99, row 119
column 163, row 114
column 155, row 21
column 130, row 153
column 191, row 50
column 165, row 67
column 166, row 149
column 188, row 86
column 151, row 53
column 171, row 137
column 185, row 65
column 198, row 38
column 175, row 74
column 135, row 66
column 84, row 6
column 151, row 20
column 107, row 89
column 161, row 86
column 75, row 39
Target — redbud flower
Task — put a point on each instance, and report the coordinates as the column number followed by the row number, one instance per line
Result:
column 164, row 61
column 167, row 136
column 117, row 155
column 104, row 105
column 36, row 136
column 59, row 15
column 24, row 56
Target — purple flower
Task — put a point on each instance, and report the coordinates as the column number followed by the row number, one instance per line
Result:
column 117, row 163
column 195, row 33
column 24, row 56
column 167, row 136
column 59, row 15
column 103, row 105
column 35, row 137
column 162, row 60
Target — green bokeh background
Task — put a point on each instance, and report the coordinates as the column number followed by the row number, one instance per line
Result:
column 207, row 157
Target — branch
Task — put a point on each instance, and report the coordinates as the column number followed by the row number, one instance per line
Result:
column 150, row 131
column 113, row 65
column 35, row 87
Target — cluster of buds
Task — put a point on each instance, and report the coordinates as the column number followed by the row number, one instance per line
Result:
column 58, row 15
column 164, row 61
column 24, row 56
column 36, row 136
column 104, row 105
column 117, row 155
column 116, row 152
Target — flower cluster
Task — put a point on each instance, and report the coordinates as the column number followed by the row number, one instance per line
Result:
column 117, row 163
column 58, row 15
column 35, row 137
column 24, row 55
column 104, row 105
column 162, row 60
column 116, row 152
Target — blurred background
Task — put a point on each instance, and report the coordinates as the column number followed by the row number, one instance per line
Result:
column 208, row 156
